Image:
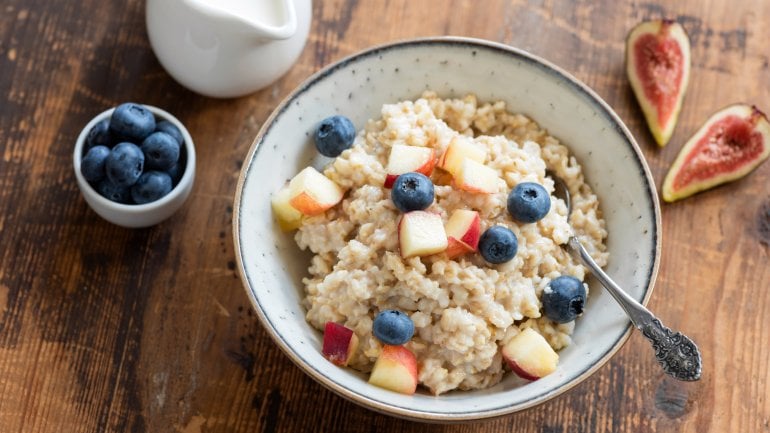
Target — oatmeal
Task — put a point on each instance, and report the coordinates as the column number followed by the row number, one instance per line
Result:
column 464, row 309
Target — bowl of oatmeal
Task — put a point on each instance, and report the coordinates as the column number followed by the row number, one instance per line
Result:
column 345, row 262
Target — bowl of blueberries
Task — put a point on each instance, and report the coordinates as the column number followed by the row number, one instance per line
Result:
column 134, row 164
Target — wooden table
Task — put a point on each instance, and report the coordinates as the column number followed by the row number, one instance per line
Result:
column 105, row 329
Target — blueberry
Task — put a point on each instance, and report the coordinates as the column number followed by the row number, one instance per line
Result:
column 564, row 299
column 498, row 244
column 393, row 327
column 528, row 202
column 151, row 186
column 99, row 135
column 333, row 135
column 132, row 122
column 112, row 192
column 124, row 164
column 170, row 129
column 176, row 172
column 412, row 191
column 92, row 164
column 161, row 151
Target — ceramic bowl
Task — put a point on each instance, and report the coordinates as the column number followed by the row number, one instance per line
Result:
column 272, row 266
column 137, row 215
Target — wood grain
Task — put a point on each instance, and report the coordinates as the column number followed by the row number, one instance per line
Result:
column 104, row 329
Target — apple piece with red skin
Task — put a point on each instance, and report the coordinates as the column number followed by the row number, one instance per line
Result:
column 529, row 355
column 312, row 193
column 459, row 149
column 456, row 248
column 405, row 159
column 339, row 344
column 421, row 233
column 476, row 177
column 463, row 231
column 395, row 369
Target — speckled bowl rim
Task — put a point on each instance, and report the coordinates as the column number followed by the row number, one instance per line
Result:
column 517, row 54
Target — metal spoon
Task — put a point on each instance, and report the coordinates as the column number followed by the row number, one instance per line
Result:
column 675, row 352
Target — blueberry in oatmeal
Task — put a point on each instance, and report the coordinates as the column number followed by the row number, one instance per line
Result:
column 412, row 191
column 333, row 135
column 564, row 299
column 393, row 327
column 498, row 244
column 529, row 202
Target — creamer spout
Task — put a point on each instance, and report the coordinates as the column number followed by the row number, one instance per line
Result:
column 265, row 19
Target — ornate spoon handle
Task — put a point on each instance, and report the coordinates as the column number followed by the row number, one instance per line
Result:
column 675, row 352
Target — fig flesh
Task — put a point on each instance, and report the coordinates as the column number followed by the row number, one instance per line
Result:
column 658, row 68
column 732, row 143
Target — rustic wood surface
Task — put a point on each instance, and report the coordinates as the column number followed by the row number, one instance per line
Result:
column 105, row 329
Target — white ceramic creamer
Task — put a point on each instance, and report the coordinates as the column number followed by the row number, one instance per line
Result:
column 227, row 48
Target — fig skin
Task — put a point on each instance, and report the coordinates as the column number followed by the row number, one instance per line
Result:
column 746, row 114
column 665, row 31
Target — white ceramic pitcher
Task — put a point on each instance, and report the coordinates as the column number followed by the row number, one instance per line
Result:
column 227, row 48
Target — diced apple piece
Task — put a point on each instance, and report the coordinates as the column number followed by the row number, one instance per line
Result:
column 463, row 231
column 405, row 159
column 421, row 233
column 441, row 177
column 313, row 193
column 459, row 149
column 530, row 356
column 340, row 343
column 476, row 177
column 288, row 217
column 456, row 248
column 395, row 369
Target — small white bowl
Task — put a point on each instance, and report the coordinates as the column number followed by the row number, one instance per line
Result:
column 137, row 215
column 272, row 266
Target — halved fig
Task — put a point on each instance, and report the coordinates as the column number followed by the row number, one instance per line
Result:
column 732, row 143
column 658, row 67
